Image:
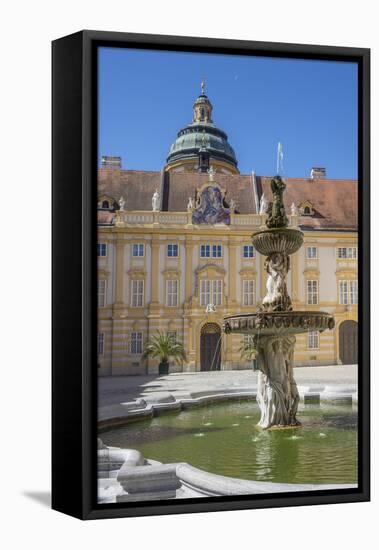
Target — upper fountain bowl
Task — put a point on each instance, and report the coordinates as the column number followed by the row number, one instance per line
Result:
column 281, row 239
column 278, row 322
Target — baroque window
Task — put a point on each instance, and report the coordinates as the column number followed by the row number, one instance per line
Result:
column 210, row 292
column 348, row 292
column 138, row 293
column 312, row 292
column 208, row 251
column 313, row 339
column 172, row 250
column 311, row 252
column 101, row 249
column 248, row 298
column 138, row 250
column 101, row 292
column 172, row 293
column 248, row 251
column 136, row 343
column 347, row 252
column 100, row 343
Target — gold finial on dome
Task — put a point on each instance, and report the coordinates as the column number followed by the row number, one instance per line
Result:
column 203, row 87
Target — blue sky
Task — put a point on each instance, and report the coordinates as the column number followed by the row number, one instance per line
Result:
column 146, row 97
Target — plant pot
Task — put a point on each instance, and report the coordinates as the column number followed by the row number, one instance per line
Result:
column 163, row 367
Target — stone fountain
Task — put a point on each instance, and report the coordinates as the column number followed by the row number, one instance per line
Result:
column 275, row 323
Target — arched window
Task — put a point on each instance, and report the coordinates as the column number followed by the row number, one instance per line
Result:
column 202, row 113
column 105, row 204
column 307, row 211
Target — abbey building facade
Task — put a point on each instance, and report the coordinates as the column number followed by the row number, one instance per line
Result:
column 175, row 255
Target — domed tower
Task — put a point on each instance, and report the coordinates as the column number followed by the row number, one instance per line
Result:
column 201, row 144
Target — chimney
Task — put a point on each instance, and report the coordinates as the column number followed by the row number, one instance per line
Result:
column 318, row 173
column 111, row 162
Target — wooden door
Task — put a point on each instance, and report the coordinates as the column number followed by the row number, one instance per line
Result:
column 210, row 347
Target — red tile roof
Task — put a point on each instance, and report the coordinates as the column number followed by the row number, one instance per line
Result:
column 334, row 202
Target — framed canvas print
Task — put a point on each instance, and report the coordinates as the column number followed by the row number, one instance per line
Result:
column 210, row 274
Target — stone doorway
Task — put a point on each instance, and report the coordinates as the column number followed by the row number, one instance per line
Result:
column 210, row 347
column 348, row 342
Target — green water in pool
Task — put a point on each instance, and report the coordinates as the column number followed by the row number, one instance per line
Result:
column 224, row 439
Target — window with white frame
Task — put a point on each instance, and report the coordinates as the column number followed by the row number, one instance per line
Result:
column 248, row 298
column 210, row 251
column 312, row 292
column 137, row 292
column 136, row 343
column 216, row 251
column 248, row 251
column 217, row 292
column 205, row 251
column 100, row 343
column 172, row 335
column 101, row 249
column 311, row 252
column 172, row 250
column 348, row 292
column 138, row 250
column 347, row 252
column 205, row 292
column 101, row 292
column 354, row 292
column 344, row 292
column 313, row 339
column 172, row 292
column 211, row 292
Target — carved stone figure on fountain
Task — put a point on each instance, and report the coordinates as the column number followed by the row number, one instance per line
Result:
column 277, row 216
column 274, row 387
column 277, row 298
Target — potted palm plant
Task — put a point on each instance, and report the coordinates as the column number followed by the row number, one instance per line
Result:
column 248, row 351
column 164, row 347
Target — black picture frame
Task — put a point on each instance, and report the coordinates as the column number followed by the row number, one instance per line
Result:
column 74, row 174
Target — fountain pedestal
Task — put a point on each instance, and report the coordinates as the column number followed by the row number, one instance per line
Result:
column 275, row 323
column 277, row 395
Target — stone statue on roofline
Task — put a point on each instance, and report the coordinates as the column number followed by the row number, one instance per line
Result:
column 191, row 204
column 211, row 172
column 294, row 210
column 121, row 203
column 155, row 201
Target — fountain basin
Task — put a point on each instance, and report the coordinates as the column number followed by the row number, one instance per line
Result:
column 283, row 240
column 223, row 439
column 278, row 323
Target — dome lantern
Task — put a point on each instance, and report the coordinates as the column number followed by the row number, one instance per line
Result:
column 200, row 143
column 202, row 108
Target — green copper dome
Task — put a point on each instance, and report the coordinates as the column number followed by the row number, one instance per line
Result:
column 202, row 138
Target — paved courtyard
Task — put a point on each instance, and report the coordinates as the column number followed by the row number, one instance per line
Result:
column 123, row 389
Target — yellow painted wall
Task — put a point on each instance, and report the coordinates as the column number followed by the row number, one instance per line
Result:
column 118, row 319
